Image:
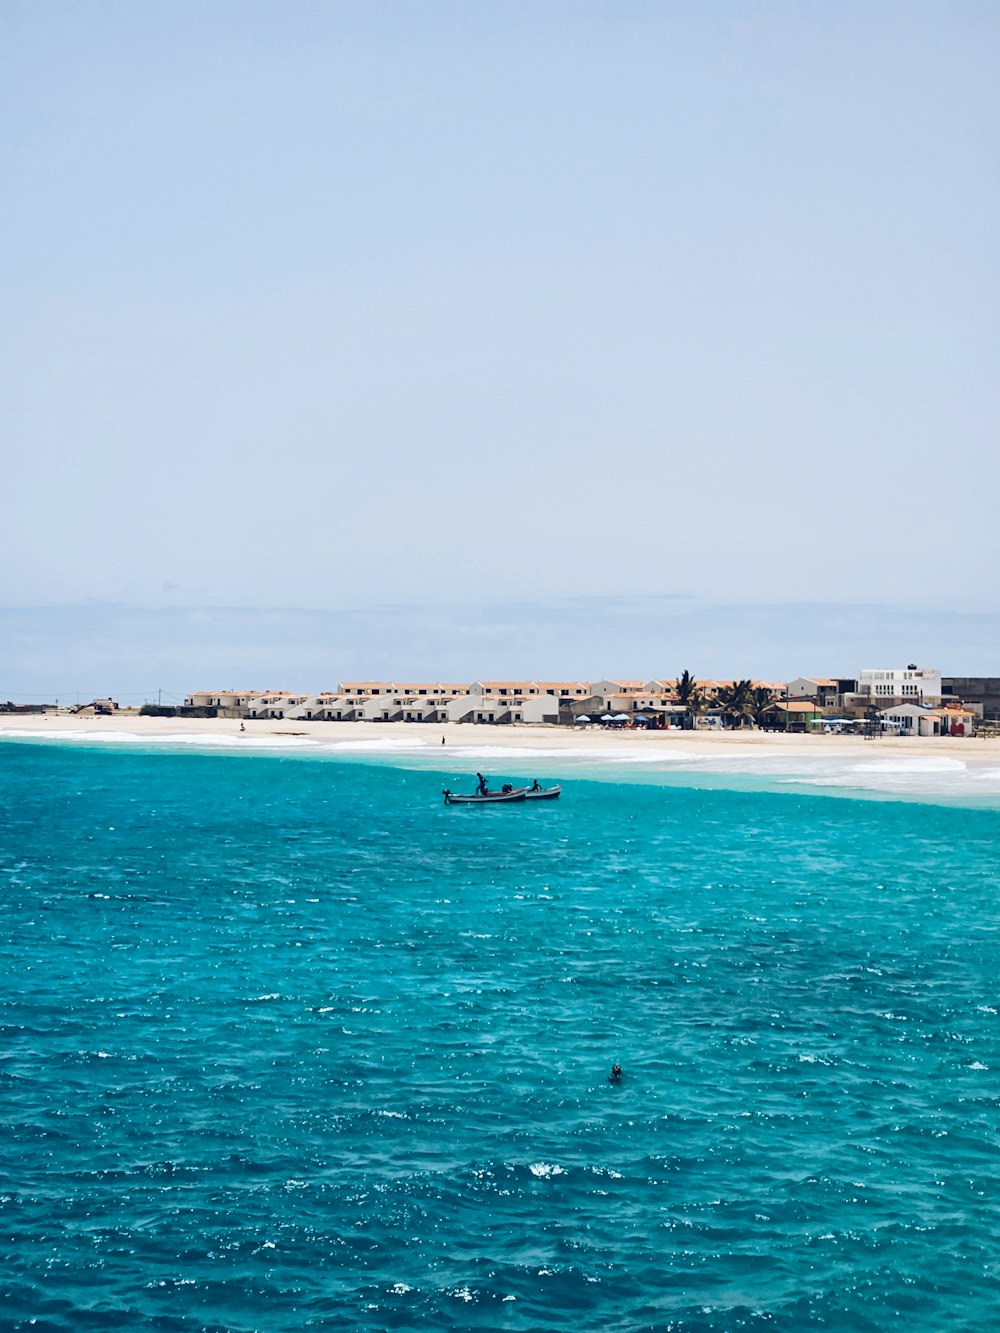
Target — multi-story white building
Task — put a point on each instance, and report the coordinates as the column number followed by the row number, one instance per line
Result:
column 221, row 699
column 488, row 708
column 527, row 689
column 907, row 685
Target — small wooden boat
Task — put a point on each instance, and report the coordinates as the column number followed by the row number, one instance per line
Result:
column 491, row 797
column 542, row 793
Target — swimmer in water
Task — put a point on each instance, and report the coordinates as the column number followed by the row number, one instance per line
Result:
column 616, row 1074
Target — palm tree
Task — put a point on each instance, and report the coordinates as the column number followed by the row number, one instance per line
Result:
column 734, row 700
column 759, row 700
column 689, row 695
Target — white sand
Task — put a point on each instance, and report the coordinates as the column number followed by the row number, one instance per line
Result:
column 579, row 740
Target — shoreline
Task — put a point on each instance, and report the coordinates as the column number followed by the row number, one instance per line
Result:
column 950, row 770
column 517, row 736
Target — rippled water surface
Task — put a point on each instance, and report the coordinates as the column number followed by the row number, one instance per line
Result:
column 287, row 1044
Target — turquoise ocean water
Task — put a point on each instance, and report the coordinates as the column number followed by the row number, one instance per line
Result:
column 287, row 1044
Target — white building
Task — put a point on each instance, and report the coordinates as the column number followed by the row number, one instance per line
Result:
column 605, row 688
column 221, row 699
column 912, row 720
column 327, row 707
column 526, row 689
column 273, row 705
column 906, row 685
column 502, row 710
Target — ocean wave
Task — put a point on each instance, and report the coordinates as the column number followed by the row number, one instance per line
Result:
column 916, row 764
column 201, row 739
column 387, row 743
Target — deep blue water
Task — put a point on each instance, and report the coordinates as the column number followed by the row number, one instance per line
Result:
column 287, row 1044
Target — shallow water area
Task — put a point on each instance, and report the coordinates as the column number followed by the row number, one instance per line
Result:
column 292, row 1045
column 967, row 775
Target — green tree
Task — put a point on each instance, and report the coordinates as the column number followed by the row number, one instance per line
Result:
column 734, row 700
column 689, row 695
column 759, row 700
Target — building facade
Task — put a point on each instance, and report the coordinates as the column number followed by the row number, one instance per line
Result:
column 883, row 686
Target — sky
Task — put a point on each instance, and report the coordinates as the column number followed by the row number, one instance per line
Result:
column 390, row 316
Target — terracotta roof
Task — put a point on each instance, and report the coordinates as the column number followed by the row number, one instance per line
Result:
column 425, row 685
column 227, row 694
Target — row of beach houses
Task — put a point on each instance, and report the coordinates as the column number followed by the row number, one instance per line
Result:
column 909, row 700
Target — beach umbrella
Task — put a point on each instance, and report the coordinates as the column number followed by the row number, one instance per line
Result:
column 606, row 717
column 620, row 717
column 640, row 717
column 582, row 718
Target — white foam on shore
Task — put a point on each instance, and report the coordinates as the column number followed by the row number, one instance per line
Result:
column 381, row 743
column 918, row 764
column 529, row 752
column 895, row 775
column 917, row 777
column 202, row 739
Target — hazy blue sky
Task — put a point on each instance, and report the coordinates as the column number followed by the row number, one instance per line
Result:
column 334, row 305
column 59, row 653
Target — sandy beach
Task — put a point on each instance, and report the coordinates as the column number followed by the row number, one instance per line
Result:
column 581, row 740
column 515, row 737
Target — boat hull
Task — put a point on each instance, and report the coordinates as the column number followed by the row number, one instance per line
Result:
column 491, row 798
column 498, row 797
column 545, row 794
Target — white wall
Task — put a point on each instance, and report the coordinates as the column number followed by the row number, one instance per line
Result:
column 801, row 688
column 906, row 683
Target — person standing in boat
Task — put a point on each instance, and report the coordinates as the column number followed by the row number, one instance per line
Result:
column 482, row 788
